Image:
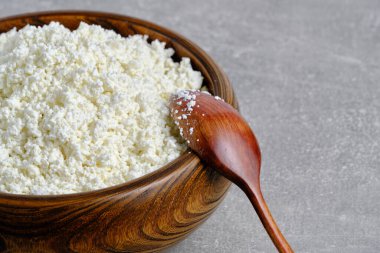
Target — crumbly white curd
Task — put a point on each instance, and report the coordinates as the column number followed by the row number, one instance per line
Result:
column 85, row 109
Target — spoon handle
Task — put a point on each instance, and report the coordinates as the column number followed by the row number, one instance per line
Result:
column 256, row 197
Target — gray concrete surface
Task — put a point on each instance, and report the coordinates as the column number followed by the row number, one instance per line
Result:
column 308, row 80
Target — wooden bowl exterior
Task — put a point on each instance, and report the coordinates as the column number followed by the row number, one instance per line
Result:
column 144, row 215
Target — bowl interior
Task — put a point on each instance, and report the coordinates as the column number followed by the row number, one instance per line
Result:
column 215, row 80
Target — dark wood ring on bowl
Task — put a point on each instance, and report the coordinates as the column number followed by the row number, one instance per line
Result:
column 143, row 215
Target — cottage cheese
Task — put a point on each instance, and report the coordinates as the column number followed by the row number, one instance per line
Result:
column 86, row 109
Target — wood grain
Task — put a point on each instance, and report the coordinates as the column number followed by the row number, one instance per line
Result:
column 144, row 215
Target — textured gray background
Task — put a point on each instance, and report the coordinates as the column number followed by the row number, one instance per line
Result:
column 307, row 77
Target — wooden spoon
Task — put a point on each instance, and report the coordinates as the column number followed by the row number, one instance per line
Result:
column 224, row 140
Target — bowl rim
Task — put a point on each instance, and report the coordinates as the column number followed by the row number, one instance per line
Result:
column 188, row 156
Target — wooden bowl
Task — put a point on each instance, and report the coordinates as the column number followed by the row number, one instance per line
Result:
column 143, row 215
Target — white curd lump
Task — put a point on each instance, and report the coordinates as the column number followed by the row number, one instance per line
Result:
column 85, row 110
